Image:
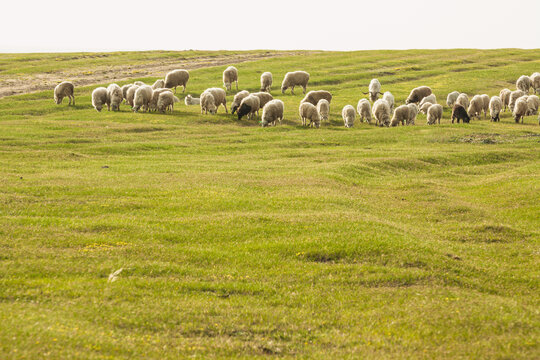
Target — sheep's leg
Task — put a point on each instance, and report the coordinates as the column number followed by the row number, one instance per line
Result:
column 236, row 84
column 183, row 91
column 225, row 106
column 304, row 89
column 292, row 90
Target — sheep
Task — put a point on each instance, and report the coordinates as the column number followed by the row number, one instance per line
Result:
column 434, row 114
column 100, row 98
column 364, row 110
column 139, row 83
column 314, row 96
column 381, row 112
column 451, row 98
column 532, row 103
column 520, row 109
column 266, row 81
column 349, row 114
column 220, row 97
column 208, row 103
column 308, row 111
column 272, row 111
column 476, row 106
column 390, row 99
column 263, row 98
column 143, row 96
column 114, row 92
column 189, row 100
column 514, row 95
column 166, row 101
column 504, row 94
column 413, row 111
column 125, row 89
column 249, row 106
column 401, row 115
column 424, row 108
column 65, row 88
column 535, row 82
column 238, row 99
column 374, row 90
column 130, row 94
column 178, row 77
column 323, row 107
column 159, row 84
column 230, row 75
column 523, row 83
column 495, row 107
column 459, row 113
column 153, row 104
column 295, row 78
column 463, row 100
column 417, row 94
column 431, row 99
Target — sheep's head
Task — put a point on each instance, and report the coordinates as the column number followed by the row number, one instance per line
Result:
column 283, row 88
column 99, row 107
column 57, row 99
column 136, row 108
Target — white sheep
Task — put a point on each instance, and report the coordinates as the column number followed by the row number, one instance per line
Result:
column 535, row 82
column 125, row 89
column 349, row 114
column 65, row 88
column 208, row 103
column 523, row 83
column 142, row 99
column 139, row 83
column 153, row 104
column 463, row 100
column 100, row 98
column 428, row 99
column 249, row 106
column 485, row 108
column 401, row 115
column 390, row 99
column 190, row 100
column 413, row 112
column 434, row 114
column 238, row 99
column 308, row 111
column 475, row 107
column 230, row 75
column 520, row 109
column 266, row 81
column 533, row 102
column 114, row 92
column 220, row 97
column 417, row 94
column 264, row 98
column 424, row 108
column 272, row 111
column 158, row 84
column 495, row 107
column 314, row 96
column 364, row 110
column 130, row 94
column 504, row 94
column 374, row 90
column 166, row 101
column 295, row 78
column 323, row 107
column 178, row 77
column 514, row 95
column 381, row 112
column 451, row 98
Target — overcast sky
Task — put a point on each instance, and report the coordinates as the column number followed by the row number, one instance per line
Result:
column 108, row 25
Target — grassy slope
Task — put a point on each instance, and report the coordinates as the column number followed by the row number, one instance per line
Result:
column 241, row 241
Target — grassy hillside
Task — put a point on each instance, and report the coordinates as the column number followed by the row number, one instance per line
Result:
column 242, row 242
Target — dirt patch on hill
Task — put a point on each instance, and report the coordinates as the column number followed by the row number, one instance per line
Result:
column 117, row 73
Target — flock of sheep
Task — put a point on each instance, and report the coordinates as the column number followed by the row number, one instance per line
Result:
column 315, row 106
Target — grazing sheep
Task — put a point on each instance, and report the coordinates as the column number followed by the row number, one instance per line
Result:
column 451, row 98
column 220, row 97
column 401, row 115
column 130, row 94
column 495, row 107
column 514, row 95
column 266, row 81
column 238, row 99
column 504, row 94
column 485, row 108
column 349, row 114
column 413, row 111
column 159, row 84
column 178, row 77
column 139, row 83
column 65, row 88
column 434, row 114
column 459, row 113
column 520, row 109
column 125, row 89
column 153, row 104
column 424, row 108
column 390, row 99
column 295, row 78
column 143, row 96
column 535, row 82
column 532, row 103
column 428, row 99
column 114, row 92
column 208, row 103
column 463, row 100
column 308, row 111
column 100, row 98
column 523, row 83
column 264, row 98
column 166, row 101
column 314, row 96
column 374, row 90
column 272, row 111
column 190, row 100
column 323, row 107
column 230, row 75
column 381, row 112
column 249, row 106
column 475, row 107
column 417, row 94
column 364, row 110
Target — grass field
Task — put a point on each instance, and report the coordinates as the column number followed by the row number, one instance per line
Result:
column 242, row 242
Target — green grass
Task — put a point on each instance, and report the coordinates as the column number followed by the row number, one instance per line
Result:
column 286, row 242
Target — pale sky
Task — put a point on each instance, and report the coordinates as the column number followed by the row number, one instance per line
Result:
column 109, row 25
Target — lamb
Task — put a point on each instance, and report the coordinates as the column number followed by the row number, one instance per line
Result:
column 263, row 98
column 504, row 94
column 159, row 84
column 463, row 100
column 364, row 110
column 114, row 92
column 523, row 83
column 349, row 114
column 100, row 98
column 485, row 108
column 249, row 106
column 125, row 89
column 459, row 113
column 520, row 109
column 476, row 106
column 238, row 99
column 295, row 78
column 381, row 112
column 220, row 98
column 166, row 101
column 535, row 82
column 533, row 102
column 272, row 111
column 390, row 99
column 178, row 77
column 143, row 96
column 514, row 95
column 401, row 115
column 266, row 81
column 451, row 98
column 230, row 75
column 189, row 100
column 208, row 103
column 434, row 114
column 495, row 107
column 413, row 111
column 308, row 111
column 428, row 99
column 130, row 94
column 417, row 94
column 314, row 96
column 374, row 90
column 153, row 104
column 65, row 88
column 323, row 107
